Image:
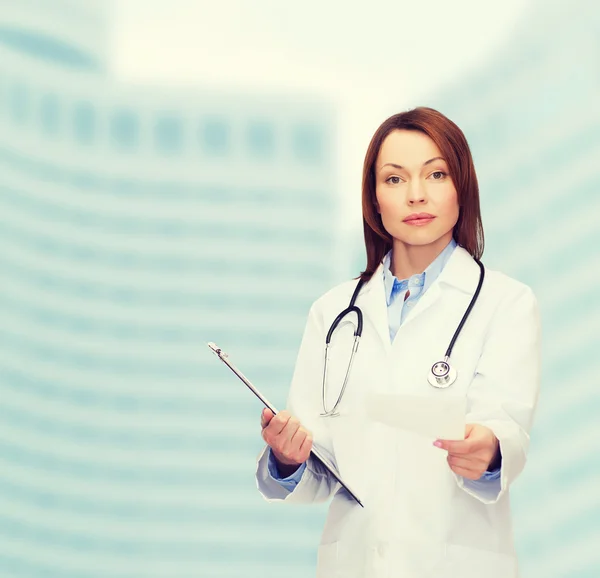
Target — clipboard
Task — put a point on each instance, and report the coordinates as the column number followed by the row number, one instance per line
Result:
column 318, row 453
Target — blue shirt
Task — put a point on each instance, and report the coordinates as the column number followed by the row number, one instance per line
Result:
column 398, row 307
column 395, row 291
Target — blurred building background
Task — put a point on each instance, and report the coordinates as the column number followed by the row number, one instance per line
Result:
column 138, row 223
column 140, row 220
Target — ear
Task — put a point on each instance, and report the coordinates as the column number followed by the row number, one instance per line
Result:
column 377, row 207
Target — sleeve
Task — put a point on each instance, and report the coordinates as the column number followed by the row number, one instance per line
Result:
column 490, row 476
column 504, row 392
column 288, row 483
column 315, row 484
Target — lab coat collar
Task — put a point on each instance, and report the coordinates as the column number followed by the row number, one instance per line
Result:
column 461, row 272
column 430, row 274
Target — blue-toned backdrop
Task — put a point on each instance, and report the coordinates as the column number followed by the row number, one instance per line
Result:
column 140, row 220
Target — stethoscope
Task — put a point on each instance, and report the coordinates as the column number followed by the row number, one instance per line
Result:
column 441, row 375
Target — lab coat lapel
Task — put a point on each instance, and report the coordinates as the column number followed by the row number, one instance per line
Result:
column 374, row 307
column 460, row 272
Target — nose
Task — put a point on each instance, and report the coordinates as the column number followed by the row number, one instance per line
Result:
column 416, row 193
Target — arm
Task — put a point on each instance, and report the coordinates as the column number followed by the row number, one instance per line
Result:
column 504, row 392
column 311, row 482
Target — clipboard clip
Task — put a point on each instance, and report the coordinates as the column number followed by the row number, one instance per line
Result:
column 217, row 350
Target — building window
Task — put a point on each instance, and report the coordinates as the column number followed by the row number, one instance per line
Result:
column 215, row 137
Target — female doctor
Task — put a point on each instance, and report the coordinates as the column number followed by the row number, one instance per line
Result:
column 432, row 507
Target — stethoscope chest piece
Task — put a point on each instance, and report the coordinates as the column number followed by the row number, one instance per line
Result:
column 442, row 375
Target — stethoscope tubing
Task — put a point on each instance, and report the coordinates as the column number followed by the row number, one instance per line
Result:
column 353, row 308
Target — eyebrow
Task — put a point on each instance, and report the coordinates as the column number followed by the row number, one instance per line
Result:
column 400, row 167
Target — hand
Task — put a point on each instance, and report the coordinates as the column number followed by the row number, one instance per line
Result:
column 471, row 457
column 288, row 440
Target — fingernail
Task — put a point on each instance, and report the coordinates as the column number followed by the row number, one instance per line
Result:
column 437, row 444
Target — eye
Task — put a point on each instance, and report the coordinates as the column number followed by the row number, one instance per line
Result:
column 439, row 175
column 393, row 180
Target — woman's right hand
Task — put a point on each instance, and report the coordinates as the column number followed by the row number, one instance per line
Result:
column 288, row 440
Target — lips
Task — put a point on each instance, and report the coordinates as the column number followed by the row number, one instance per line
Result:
column 417, row 218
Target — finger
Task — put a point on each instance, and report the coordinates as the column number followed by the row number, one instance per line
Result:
column 265, row 417
column 483, row 455
column 273, row 429
column 468, row 463
column 472, row 441
column 306, row 446
column 296, row 444
column 466, row 473
column 303, row 452
column 278, row 423
column 299, row 436
column 285, row 437
column 454, row 447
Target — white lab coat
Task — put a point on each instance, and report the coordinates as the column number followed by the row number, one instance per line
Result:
column 420, row 520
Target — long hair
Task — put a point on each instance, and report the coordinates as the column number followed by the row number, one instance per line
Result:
column 468, row 231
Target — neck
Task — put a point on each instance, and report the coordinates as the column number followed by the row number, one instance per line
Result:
column 410, row 260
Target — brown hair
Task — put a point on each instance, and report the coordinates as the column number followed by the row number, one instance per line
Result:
column 468, row 231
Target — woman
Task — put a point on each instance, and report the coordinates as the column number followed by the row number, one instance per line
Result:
column 432, row 508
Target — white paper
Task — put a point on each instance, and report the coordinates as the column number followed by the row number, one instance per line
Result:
column 436, row 417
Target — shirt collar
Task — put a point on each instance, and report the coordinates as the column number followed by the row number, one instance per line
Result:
column 426, row 278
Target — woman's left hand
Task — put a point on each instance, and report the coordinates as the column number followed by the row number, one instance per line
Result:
column 471, row 457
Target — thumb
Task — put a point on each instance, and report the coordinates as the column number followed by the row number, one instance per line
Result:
column 266, row 417
column 475, row 436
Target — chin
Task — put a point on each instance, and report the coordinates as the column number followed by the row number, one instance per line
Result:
column 420, row 243
column 420, row 240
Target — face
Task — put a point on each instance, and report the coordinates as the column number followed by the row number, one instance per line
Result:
column 415, row 194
